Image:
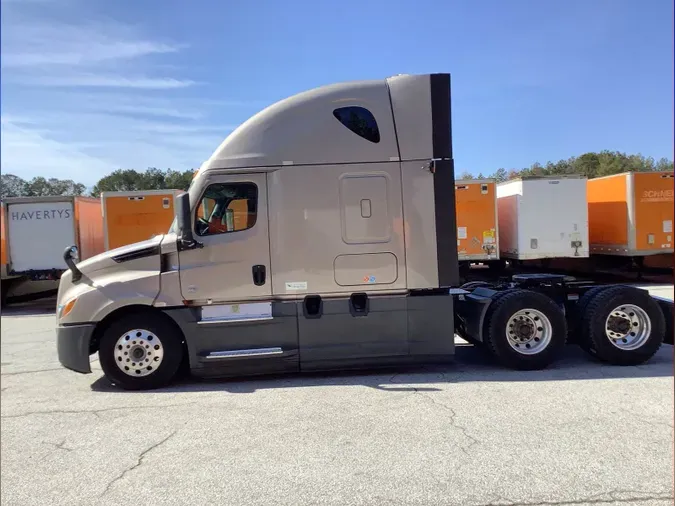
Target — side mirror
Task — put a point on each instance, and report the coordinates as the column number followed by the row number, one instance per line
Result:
column 186, row 239
column 71, row 256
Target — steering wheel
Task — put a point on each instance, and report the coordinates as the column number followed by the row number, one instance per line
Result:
column 202, row 226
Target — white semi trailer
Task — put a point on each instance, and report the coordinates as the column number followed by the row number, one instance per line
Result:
column 321, row 234
column 36, row 232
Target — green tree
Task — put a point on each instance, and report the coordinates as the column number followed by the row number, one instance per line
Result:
column 664, row 165
column 178, row 180
column 119, row 180
column 11, row 186
column 500, row 175
column 151, row 179
column 513, row 174
column 592, row 164
column 41, row 187
column 14, row 186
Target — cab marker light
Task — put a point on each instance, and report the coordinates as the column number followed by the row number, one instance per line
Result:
column 67, row 308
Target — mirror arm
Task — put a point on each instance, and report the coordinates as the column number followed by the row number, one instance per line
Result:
column 68, row 257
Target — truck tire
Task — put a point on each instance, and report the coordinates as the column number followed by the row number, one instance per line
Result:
column 667, row 310
column 495, row 298
column 141, row 351
column 622, row 325
column 576, row 315
column 525, row 330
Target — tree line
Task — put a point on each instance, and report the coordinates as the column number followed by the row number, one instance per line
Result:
column 604, row 163
column 119, row 180
column 591, row 165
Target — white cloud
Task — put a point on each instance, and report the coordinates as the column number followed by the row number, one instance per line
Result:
column 87, row 145
column 82, row 53
column 144, row 83
column 83, row 98
column 90, row 53
column 26, row 153
column 30, row 150
column 148, row 110
column 28, row 43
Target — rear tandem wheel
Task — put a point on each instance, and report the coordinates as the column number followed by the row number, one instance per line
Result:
column 622, row 325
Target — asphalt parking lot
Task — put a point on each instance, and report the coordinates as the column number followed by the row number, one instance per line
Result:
column 467, row 434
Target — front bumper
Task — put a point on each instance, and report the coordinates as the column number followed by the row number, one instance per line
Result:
column 72, row 343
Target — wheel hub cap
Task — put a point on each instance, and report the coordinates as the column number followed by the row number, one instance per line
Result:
column 524, row 331
column 138, row 352
column 529, row 331
column 628, row 327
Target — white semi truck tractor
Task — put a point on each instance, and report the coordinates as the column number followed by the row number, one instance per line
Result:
column 321, row 234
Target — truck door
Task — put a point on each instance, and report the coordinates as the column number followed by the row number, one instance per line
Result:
column 231, row 223
column 233, row 323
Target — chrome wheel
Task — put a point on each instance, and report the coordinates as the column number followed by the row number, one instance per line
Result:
column 138, row 352
column 529, row 331
column 628, row 327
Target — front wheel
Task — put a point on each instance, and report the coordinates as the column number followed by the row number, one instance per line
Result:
column 141, row 352
column 525, row 330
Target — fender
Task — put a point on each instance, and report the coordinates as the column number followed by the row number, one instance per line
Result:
column 110, row 289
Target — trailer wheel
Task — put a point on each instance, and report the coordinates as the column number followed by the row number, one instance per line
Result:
column 525, row 330
column 622, row 325
column 141, row 351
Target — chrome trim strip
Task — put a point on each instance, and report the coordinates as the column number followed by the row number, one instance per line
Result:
column 219, row 320
column 257, row 352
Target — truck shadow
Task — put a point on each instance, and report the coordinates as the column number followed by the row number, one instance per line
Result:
column 470, row 365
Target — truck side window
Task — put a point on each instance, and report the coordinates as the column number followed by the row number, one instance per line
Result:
column 360, row 121
column 227, row 207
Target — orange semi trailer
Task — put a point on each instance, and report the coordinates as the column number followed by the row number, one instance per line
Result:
column 134, row 216
column 631, row 214
column 476, row 206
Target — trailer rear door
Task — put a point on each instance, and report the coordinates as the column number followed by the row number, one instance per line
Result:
column 38, row 233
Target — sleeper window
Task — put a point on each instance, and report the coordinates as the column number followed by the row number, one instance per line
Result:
column 360, row 121
column 227, row 207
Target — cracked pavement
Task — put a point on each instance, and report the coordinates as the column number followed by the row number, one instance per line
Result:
column 467, row 434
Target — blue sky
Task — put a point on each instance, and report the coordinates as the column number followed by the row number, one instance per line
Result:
column 89, row 86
